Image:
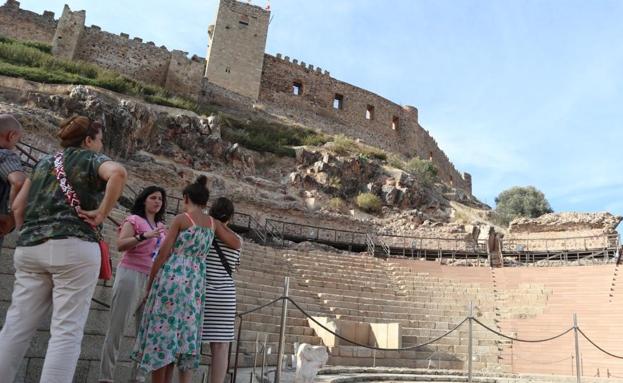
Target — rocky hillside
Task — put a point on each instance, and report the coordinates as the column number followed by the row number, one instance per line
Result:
column 170, row 146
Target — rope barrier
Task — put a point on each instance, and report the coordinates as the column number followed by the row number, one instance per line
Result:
column 259, row 307
column 544, row 363
column 522, row 340
column 597, row 347
column 372, row 347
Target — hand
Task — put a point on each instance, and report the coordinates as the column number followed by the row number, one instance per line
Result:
column 92, row 217
column 153, row 233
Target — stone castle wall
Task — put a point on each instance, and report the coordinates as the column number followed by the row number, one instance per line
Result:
column 70, row 39
column 20, row 24
column 360, row 113
column 245, row 27
column 363, row 114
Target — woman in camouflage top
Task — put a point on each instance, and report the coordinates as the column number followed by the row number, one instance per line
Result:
column 57, row 259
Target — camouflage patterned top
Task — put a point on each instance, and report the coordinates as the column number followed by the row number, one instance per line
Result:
column 48, row 216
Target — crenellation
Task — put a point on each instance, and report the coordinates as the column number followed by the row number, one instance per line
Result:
column 20, row 24
column 236, row 63
column 12, row 4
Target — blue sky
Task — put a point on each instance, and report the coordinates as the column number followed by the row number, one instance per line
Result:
column 516, row 92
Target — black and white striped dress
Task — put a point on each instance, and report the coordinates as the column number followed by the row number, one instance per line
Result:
column 219, row 310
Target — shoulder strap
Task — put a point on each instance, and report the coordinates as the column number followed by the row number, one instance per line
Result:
column 61, row 176
column 222, row 257
column 70, row 194
column 190, row 218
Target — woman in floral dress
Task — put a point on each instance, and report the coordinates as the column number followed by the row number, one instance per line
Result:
column 170, row 331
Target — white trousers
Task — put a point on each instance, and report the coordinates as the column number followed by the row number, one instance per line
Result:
column 58, row 275
column 127, row 294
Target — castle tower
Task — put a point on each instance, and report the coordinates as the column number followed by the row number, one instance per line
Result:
column 68, row 32
column 236, row 47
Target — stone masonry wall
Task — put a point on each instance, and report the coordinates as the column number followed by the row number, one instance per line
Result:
column 184, row 75
column 365, row 115
column 245, row 70
column 25, row 25
column 68, row 33
column 245, row 27
column 141, row 61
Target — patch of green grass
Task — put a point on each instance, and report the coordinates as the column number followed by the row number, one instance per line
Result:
column 369, row 202
column 343, row 145
column 33, row 61
column 337, row 204
column 265, row 136
column 424, row 170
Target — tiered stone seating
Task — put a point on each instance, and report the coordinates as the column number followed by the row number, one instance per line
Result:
column 582, row 290
column 365, row 289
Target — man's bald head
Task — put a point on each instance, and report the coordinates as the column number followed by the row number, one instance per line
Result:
column 9, row 123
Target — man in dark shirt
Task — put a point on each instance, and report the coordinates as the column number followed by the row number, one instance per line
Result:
column 12, row 175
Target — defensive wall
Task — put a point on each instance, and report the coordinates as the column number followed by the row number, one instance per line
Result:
column 239, row 73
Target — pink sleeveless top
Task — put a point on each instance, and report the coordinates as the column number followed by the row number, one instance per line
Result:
column 141, row 257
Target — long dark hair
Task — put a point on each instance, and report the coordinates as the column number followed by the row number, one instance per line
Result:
column 139, row 203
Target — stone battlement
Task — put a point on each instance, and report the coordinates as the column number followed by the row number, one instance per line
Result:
column 237, row 63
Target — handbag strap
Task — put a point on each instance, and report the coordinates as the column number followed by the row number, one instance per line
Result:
column 222, row 257
column 70, row 194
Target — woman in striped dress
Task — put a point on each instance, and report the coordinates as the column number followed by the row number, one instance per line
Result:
column 219, row 311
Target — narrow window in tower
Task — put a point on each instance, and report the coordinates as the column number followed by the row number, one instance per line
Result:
column 395, row 123
column 227, row 69
column 430, row 156
column 244, row 20
column 370, row 112
column 338, row 101
column 297, row 88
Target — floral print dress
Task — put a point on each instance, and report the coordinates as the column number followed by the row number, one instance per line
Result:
column 170, row 330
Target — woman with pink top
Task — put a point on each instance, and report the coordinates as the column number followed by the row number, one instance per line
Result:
column 140, row 237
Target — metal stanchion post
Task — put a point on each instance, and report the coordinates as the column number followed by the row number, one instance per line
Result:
column 264, row 352
column 282, row 333
column 469, row 345
column 234, row 375
column 577, row 348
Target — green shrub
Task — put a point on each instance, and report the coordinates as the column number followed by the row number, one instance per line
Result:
column 395, row 161
column 265, row 136
column 423, row 170
column 368, row 202
column 343, row 146
column 337, row 204
column 521, row 202
column 33, row 61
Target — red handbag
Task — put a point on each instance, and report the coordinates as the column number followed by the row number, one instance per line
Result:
column 74, row 202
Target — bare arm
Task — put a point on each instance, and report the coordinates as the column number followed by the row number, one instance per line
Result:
column 226, row 235
column 19, row 204
column 16, row 180
column 125, row 239
column 165, row 249
column 115, row 176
